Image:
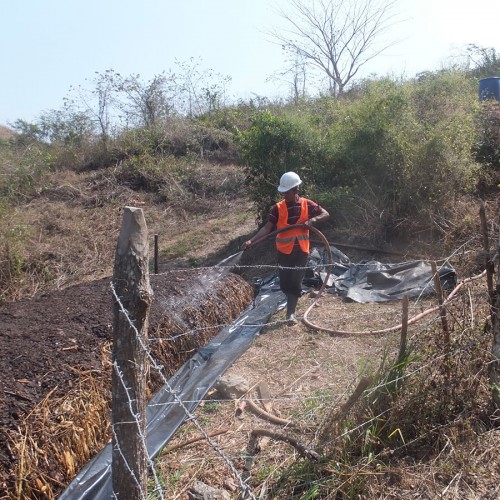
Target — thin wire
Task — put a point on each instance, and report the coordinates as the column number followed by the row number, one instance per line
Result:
column 139, row 432
column 191, row 417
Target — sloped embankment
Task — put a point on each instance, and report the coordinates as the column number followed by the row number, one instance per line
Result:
column 55, row 375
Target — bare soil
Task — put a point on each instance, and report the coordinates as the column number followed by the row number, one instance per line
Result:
column 50, row 341
column 57, row 333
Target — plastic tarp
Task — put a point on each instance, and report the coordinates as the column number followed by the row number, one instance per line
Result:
column 374, row 281
column 190, row 384
column 364, row 282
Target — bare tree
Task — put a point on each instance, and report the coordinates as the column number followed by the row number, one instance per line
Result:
column 200, row 90
column 96, row 103
column 127, row 99
column 336, row 36
column 147, row 103
column 482, row 61
column 294, row 75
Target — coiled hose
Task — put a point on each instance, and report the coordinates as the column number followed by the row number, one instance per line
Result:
column 331, row 331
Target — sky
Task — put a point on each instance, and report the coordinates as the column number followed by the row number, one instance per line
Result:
column 48, row 46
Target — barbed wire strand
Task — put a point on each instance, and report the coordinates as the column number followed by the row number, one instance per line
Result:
column 313, row 267
column 131, row 472
column 192, row 418
column 350, row 384
column 189, row 416
column 219, row 326
column 411, row 320
column 428, row 323
column 142, row 437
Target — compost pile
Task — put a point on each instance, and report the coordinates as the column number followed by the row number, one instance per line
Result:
column 55, row 376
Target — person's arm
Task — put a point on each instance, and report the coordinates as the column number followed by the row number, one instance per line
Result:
column 265, row 229
column 321, row 217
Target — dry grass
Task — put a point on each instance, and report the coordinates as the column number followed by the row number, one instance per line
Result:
column 428, row 433
column 66, row 233
column 56, row 439
column 435, row 440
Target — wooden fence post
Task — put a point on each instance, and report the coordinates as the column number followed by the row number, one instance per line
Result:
column 495, row 366
column 404, row 330
column 132, row 287
column 156, row 254
column 442, row 308
column 489, row 265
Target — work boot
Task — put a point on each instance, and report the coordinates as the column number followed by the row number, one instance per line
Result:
column 291, row 319
column 291, row 304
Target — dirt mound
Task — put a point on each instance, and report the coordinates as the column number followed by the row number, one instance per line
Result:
column 59, row 343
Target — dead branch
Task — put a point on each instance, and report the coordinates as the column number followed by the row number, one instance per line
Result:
column 194, row 440
column 404, row 330
column 345, row 408
column 252, row 448
column 442, row 307
column 271, row 418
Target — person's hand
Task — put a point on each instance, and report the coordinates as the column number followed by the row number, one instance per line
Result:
column 246, row 245
column 310, row 222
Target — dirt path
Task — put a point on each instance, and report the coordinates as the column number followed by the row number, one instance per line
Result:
column 297, row 361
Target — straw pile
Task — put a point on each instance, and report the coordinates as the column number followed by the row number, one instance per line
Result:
column 59, row 436
column 178, row 336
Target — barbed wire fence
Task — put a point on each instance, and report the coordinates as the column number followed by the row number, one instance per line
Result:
column 131, row 461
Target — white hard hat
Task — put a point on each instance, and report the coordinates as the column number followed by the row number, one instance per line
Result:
column 288, row 181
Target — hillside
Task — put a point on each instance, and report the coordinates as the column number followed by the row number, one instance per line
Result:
column 69, row 232
column 56, row 331
column 357, row 404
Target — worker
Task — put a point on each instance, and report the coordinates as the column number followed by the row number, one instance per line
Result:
column 292, row 245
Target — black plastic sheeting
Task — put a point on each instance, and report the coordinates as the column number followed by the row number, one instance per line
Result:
column 190, row 384
column 363, row 282
column 374, row 281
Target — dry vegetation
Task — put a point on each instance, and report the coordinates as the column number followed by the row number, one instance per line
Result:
column 5, row 133
column 67, row 232
column 69, row 425
column 66, row 235
column 430, row 433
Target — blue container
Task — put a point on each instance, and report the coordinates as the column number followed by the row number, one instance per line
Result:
column 489, row 88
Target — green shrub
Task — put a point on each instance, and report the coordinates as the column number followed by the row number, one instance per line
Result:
column 23, row 169
column 388, row 151
column 271, row 146
column 487, row 148
column 175, row 137
column 403, row 148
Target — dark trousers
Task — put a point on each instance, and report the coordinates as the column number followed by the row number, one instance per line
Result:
column 291, row 279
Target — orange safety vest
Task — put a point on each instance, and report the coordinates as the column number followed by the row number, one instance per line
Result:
column 286, row 239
